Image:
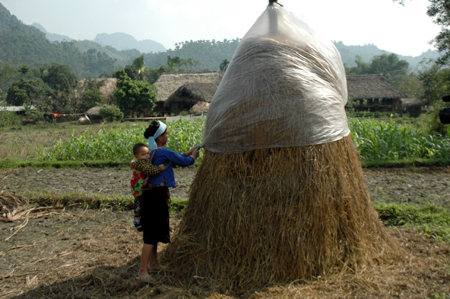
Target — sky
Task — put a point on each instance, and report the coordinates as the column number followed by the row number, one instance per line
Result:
column 405, row 30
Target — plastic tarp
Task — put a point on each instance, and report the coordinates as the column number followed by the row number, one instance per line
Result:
column 284, row 87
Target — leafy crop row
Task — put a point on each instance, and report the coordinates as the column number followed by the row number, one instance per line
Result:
column 373, row 139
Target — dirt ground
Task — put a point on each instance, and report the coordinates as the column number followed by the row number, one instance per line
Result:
column 402, row 185
column 81, row 253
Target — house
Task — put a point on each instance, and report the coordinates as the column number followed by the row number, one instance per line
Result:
column 193, row 92
column 178, row 92
column 18, row 109
column 415, row 106
column 373, row 93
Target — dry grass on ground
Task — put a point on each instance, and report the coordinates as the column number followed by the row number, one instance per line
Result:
column 81, row 253
column 21, row 142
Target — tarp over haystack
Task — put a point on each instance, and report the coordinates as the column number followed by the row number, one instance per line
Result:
column 280, row 194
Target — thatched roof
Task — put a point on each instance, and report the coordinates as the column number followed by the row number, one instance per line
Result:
column 411, row 102
column 169, row 83
column 193, row 93
column 94, row 111
column 108, row 86
column 372, row 87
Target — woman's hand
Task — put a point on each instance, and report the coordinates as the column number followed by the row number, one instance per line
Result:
column 195, row 153
column 189, row 152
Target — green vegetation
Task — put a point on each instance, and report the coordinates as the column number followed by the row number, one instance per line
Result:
column 95, row 201
column 35, row 50
column 8, row 119
column 133, row 95
column 207, row 53
column 375, row 141
column 111, row 113
column 28, row 91
column 116, row 144
column 49, row 88
column 431, row 220
column 91, row 98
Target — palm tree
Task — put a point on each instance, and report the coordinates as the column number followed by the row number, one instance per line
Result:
column 224, row 65
column 138, row 66
column 24, row 69
column 173, row 62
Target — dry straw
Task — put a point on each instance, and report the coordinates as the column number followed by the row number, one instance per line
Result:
column 276, row 215
column 262, row 209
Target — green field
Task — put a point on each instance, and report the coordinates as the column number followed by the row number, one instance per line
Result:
column 378, row 143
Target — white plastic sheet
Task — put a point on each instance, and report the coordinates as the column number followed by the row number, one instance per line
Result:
column 284, row 87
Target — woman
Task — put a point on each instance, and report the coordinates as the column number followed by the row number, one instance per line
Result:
column 155, row 212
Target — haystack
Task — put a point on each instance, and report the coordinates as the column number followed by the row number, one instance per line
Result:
column 280, row 194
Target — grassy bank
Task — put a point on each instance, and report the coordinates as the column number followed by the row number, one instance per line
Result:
column 431, row 220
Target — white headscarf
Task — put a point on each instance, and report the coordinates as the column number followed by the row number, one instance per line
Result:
column 152, row 139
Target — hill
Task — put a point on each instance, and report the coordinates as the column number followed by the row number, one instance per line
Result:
column 33, row 45
column 8, row 21
column 368, row 51
column 123, row 57
column 53, row 37
column 123, row 41
column 24, row 44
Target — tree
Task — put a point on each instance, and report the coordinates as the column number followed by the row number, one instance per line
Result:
column 224, row 65
column 27, row 91
column 90, row 98
column 173, row 62
column 7, row 74
column 434, row 80
column 23, row 69
column 390, row 65
column 134, row 96
column 439, row 11
column 60, row 78
column 360, row 68
column 138, row 66
column 111, row 113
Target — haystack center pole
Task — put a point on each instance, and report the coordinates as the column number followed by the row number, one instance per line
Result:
column 273, row 18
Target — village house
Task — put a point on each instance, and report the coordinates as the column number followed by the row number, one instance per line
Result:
column 193, row 92
column 373, row 93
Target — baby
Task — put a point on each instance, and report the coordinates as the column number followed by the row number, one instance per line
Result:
column 140, row 178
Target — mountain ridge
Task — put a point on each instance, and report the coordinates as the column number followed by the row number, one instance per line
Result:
column 125, row 41
column 208, row 53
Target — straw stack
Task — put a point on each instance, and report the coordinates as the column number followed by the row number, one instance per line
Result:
column 280, row 194
column 280, row 214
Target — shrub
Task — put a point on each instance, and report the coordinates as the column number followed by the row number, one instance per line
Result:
column 91, row 98
column 111, row 113
column 430, row 123
column 8, row 119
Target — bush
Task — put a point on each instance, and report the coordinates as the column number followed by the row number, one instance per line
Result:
column 184, row 113
column 111, row 113
column 91, row 98
column 8, row 119
column 430, row 122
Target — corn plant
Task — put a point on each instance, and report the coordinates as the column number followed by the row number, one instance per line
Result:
column 117, row 144
column 374, row 140
column 386, row 141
